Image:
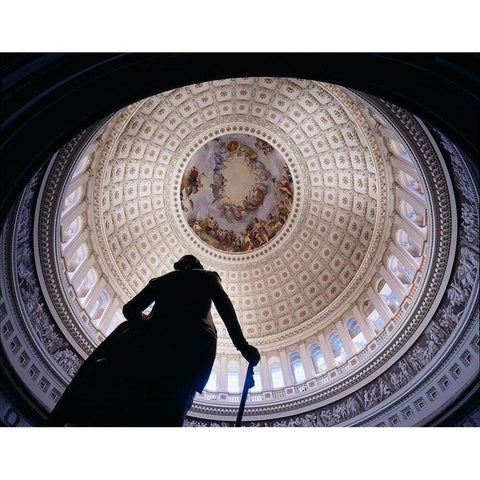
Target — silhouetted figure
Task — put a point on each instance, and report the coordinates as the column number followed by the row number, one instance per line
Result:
column 146, row 372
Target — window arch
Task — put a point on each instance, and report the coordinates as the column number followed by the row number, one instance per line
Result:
column 70, row 232
column 356, row 334
column 337, row 347
column 372, row 315
column 414, row 217
column 408, row 245
column 400, row 271
column 258, row 380
column 411, row 183
column 387, row 295
column 82, row 165
column 276, row 375
column 77, row 258
column 233, row 381
column 87, row 284
column 72, row 199
column 117, row 319
column 317, row 358
column 297, row 368
column 100, row 306
column 399, row 150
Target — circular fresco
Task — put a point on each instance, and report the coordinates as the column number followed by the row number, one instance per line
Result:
column 236, row 193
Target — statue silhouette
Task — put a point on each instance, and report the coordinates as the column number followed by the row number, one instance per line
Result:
column 146, row 372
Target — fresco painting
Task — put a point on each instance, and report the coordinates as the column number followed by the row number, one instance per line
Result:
column 236, row 193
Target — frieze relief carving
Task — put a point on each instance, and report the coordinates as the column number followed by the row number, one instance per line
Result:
column 33, row 312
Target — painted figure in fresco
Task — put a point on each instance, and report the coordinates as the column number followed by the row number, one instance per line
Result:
column 218, row 160
column 265, row 147
column 232, row 146
column 216, row 191
column 191, row 182
column 227, row 241
column 249, row 154
column 246, row 243
column 211, row 226
column 255, row 199
column 229, row 211
column 194, row 180
column 259, row 231
column 285, row 186
column 197, row 228
column 148, row 370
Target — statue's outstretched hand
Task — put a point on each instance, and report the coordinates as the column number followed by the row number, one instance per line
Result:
column 251, row 354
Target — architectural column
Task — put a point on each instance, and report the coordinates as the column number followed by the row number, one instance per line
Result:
column 380, row 306
column 404, row 257
column 413, row 232
column 402, row 165
column 222, row 374
column 386, row 132
column 72, row 214
column 79, row 275
column 307, row 361
column 345, row 338
column 109, row 313
column 77, row 182
column 74, row 245
column 94, row 294
column 364, row 324
column 265, row 374
column 414, row 200
column 398, row 288
column 286, row 370
column 326, row 351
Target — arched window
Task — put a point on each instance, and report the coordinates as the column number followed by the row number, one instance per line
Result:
column 356, row 334
column 276, row 375
column 257, row 379
column 100, row 306
column 338, row 350
column 373, row 317
column 376, row 320
column 297, row 367
column 411, row 183
column 400, row 271
column 72, row 199
column 388, row 296
column 212, row 381
column 317, row 358
column 72, row 230
column 233, row 384
column 413, row 216
column 77, row 258
column 82, row 165
column 399, row 150
column 408, row 245
column 117, row 319
column 87, row 284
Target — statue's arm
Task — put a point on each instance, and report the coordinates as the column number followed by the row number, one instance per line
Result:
column 133, row 309
column 226, row 311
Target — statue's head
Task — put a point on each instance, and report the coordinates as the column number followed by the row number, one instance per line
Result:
column 188, row 262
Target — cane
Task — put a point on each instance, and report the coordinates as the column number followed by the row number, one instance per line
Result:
column 249, row 383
